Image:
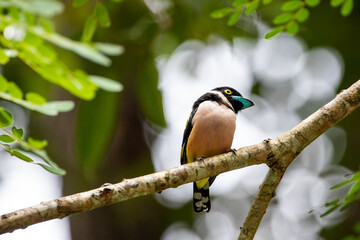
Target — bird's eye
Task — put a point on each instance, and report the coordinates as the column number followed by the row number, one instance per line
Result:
column 228, row 91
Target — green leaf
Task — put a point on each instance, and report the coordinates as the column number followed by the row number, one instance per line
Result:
column 265, row 2
column 347, row 7
column 19, row 154
column 109, row 48
column 6, row 139
column 272, row 33
column 51, row 166
column 330, row 210
column 94, row 137
column 282, row 18
column 239, row 3
column 312, row 3
column 345, row 205
column 33, row 41
column 89, row 53
column 53, row 169
column 353, row 190
column 102, row 15
column 43, row 155
column 357, row 227
column 220, row 13
column 332, row 203
column 291, row 5
column 58, row 73
column 46, row 24
column 292, row 28
column 61, row 106
column 29, row 18
column 78, row 3
column 5, row 118
column 14, row 13
column 18, row 132
column 341, row 184
column 89, row 28
column 47, row 53
column 149, row 96
column 252, row 7
column 3, row 57
column 35, row 98
column 234, row 17
column 355, row 177
column 38, row 144
column 3, row 84
column 46, row 8
column 302, row 15
column 84, row 50
column 51, row 108
column 336, row 3
column 349, row 237
column 106, row 83
column 14, row 90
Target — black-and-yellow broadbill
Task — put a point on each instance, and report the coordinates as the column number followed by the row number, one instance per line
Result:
column 209, row 131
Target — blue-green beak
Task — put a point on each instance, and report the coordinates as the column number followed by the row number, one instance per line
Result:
column 245, row 102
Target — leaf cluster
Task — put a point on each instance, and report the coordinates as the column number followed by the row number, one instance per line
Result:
column 26, row 146
column 352, row 195
column 293, row 12
column 235, row 12
column 33, row 101
column 27, row 33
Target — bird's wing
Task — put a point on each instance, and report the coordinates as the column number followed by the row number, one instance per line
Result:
column 187, row 131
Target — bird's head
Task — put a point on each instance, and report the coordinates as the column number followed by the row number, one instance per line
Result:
column 235, row 98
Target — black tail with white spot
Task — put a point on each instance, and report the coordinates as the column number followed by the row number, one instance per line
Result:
column 201, row 201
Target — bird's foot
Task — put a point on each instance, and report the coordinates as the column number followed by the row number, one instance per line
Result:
column 199, row 159
column 233, row 150
column 267, row 140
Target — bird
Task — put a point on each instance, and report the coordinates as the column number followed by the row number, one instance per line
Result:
column 210, row 131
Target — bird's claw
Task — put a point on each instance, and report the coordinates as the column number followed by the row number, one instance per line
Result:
column 267, row 140
column 233, row 150
column 199, row 159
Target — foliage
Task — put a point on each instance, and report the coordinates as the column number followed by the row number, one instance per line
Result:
column 352, row 195
column 26, row 34
column 357, row 231
column 33, row 101
column 16, row 135
column 293, row 13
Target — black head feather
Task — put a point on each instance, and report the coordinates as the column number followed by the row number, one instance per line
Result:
column 230, row 93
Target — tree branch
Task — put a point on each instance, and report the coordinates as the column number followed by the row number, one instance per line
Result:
column 286, row 147
column 261, row 202
column 277, row 154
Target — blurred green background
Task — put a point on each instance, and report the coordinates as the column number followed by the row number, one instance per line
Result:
column 103, row 140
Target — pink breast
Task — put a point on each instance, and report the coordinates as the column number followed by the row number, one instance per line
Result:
column 213, row 131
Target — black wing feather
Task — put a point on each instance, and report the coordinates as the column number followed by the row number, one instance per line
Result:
column 187, row 132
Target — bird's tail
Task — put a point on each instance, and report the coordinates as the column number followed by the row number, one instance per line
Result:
column 201, row 200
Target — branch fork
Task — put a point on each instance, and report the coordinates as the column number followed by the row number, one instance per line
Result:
column 277, row 153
